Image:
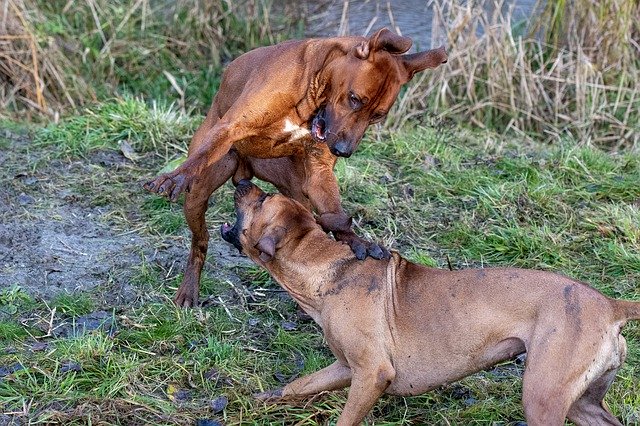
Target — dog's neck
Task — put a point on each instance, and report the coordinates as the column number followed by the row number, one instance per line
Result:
column 303, row 268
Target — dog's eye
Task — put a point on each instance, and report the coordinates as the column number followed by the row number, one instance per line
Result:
column 354, row 101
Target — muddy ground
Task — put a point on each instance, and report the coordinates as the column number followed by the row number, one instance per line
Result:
column 58, row 234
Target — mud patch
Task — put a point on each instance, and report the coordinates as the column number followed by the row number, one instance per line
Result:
column 53, row 238
column 69, row 251
column 58, row 232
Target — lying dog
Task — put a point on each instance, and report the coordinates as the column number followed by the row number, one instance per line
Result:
column 283, row 113
column 400, row 328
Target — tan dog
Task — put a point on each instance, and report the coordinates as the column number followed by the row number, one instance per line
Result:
column 400, row 328
column 283, row 113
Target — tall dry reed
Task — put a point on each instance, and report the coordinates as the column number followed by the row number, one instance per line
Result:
column 59, row 55
column 575, row 73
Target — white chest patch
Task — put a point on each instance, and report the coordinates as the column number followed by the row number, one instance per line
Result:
column 295, row 131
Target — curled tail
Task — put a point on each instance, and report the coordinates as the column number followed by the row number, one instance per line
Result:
column 627, row 310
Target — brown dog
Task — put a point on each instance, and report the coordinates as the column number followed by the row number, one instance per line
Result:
column 404, row 329
column 283, row 113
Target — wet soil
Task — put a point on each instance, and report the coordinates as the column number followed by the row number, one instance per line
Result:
column 57, row 234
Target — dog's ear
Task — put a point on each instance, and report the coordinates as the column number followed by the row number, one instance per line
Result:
column 269, row 241
column 383, row 39
column 421, row 61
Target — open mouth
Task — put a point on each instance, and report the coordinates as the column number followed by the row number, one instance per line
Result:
column 230, row 234
column 319, row 126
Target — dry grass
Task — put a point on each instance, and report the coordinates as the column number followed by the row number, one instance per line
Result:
column 575, row 72
column 56, row 56
column 34, row 73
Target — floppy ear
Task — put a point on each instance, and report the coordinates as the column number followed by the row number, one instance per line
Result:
column 269, row 241
column 421, row 61
column 383, row 39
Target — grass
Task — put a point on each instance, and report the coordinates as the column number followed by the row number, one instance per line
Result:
column 542, row 79
column 441, row 194
column 438, row 193
column 59, row 56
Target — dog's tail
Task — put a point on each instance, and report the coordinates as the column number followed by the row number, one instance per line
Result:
column 627, row 310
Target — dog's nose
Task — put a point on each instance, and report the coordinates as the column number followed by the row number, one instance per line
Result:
column 244, row 182
column 342, row 149
column 243, row 188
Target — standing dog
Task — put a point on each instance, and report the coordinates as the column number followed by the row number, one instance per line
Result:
column 283, row 113
column 404, row 329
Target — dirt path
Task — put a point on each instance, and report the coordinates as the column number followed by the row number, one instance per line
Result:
column 63, row 229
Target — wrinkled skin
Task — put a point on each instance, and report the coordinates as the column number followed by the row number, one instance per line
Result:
column 284, row 114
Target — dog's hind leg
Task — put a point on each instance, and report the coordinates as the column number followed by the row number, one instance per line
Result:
column 195, row 207
column 569, row 367
column 590, row 409
column 335, row 376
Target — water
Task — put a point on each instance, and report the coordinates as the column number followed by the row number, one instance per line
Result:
column 413, row 18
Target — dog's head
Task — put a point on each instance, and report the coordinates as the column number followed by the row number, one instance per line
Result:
column 264, row 222
column 363, row 85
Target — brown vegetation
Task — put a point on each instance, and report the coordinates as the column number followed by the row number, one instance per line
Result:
column 573, row 72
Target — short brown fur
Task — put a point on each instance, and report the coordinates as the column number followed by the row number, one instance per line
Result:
column 283, row 113
column 401, row 328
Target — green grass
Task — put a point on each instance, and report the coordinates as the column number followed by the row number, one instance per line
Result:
column 144, row 127
column 438, row 194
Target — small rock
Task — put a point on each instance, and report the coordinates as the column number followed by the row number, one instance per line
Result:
column 127, row 150
column 5, row 370
column 215, row 376
column 39, row 346
column 176, row 394
column 212, row 374
column 386, row 178
column 101, row 320
column 30, row 180
column 182, row 395
column 219, row 404
column 429, row 162
column 70, row 366
column 208, row 422
column 289, row 325
column 470, row 401
column 408, row 191
column 24, row 199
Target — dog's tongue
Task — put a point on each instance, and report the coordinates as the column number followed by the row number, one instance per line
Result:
column 318, row 128
column 225, row 228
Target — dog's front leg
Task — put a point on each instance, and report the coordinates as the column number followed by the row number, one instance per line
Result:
column 367, row 385
column 218, row 140
column 321, row 187
column 335, row 376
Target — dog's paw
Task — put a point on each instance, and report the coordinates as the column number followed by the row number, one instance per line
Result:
column 270, row 395
column 186, row 298
column 378, row 252
column 362, row 248
column 359, row 248
column 170, row 185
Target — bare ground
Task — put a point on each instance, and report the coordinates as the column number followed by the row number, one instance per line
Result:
column 58, row 234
